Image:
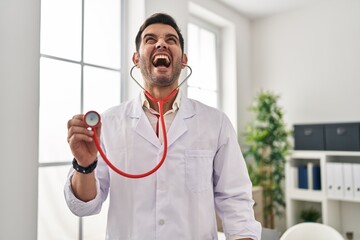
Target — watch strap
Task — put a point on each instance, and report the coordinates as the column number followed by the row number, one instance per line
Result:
column 84, row 170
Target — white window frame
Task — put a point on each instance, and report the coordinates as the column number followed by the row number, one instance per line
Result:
column 203, row 23
column 82, row 63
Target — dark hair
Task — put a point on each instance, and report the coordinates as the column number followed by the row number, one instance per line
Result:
column 159, row 18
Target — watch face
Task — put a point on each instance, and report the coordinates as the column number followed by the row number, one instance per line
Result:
column 92, row 119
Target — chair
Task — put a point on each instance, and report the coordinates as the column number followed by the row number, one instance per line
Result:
column 311, row 231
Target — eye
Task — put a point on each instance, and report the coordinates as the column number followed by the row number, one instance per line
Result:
column 150, row 40
column 171, row 40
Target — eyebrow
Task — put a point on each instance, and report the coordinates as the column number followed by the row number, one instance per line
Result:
column 169, row 35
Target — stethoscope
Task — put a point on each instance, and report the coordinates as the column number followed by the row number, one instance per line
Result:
column 92, row 120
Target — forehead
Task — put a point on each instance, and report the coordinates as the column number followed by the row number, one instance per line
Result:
column 159, row 29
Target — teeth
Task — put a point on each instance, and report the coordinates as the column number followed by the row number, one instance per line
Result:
column 157, row 57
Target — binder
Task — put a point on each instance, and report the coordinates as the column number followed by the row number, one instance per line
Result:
column 356, row 178
column 303, row 176
column 338, row 180
column 348, row 180
column 329, row 179
column 316, row 177
column 334, row 180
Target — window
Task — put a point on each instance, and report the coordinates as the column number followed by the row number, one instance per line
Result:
column 79, row 71
column 203, row 56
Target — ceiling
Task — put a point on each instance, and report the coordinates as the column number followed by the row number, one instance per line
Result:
column 254, row 9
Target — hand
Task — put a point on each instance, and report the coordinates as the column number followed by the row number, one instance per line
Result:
column 81, row 141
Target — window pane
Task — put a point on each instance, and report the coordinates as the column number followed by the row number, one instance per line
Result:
column 194, row 54
column 202, row 58
column 55, row 221
column 102, row 33
column 208, row 60
column 101, row 89
column 208, row 97
column 61, row 28
column 59, row 101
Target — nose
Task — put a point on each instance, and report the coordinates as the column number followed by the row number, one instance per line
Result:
column 161, row 43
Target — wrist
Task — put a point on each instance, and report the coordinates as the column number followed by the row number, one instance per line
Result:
column 84, row 170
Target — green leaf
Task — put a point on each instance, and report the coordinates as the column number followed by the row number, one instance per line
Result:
column 267, row 147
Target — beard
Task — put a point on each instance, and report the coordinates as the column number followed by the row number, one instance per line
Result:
column 161, row 80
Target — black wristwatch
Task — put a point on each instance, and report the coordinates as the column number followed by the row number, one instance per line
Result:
column 84, row 170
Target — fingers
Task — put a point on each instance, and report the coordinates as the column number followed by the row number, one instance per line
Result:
column 76, row 120
column 80, row 134
column 81, row 142
column 78, row 131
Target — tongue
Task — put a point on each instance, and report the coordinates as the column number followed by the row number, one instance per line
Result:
column 161, row 62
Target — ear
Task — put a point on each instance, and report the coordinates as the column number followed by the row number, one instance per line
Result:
column 184, row 60
column 135, row 59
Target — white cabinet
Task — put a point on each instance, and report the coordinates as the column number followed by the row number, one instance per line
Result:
column 335, row 193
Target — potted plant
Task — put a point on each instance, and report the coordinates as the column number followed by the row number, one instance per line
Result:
column 268, row 145
column 310, row 215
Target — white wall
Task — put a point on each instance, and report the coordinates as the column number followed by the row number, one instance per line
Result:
column 19, row 109
column 236, row 49
column 311, row 57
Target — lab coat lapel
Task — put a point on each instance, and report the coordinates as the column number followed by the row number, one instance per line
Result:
column 142, row 126
column 179, row 125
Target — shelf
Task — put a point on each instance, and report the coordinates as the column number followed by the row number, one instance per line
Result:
column 308, row 154
column 339, row 208
column 307, row 195
column 304, row 175
column 350, row 200
column 296, row 206
column 319, row 154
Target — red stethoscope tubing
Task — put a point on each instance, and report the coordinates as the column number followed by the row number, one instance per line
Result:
column 162, row 122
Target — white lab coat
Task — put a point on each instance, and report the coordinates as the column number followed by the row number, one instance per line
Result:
column 204, row 170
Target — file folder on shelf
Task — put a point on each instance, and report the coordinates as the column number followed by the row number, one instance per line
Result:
column 348, row 180
column 356, row 178
column 334, row 178
column 303, row 176
column 316, row 177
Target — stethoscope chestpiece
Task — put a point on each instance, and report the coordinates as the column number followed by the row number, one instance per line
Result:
column 92, row 119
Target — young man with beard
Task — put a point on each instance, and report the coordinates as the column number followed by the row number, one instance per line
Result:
column 204, row 168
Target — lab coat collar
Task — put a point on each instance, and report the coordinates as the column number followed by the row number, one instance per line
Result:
column 175, row 106
column 177, row 128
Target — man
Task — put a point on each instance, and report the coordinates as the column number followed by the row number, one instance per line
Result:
column 204, row 168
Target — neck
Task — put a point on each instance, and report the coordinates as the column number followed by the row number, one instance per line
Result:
column 166, row 98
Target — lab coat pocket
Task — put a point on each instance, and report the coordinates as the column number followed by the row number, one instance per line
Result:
column 198, row 169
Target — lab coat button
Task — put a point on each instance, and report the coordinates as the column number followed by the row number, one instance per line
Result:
column 161, row 222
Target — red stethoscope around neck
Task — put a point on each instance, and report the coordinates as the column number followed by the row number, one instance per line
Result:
column 92, row 120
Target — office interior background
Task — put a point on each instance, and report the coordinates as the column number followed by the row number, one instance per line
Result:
column 52, row 59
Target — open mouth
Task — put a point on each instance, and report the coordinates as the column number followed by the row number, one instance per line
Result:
column 161, row 60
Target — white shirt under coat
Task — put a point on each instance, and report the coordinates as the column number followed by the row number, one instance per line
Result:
column 204, row 170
